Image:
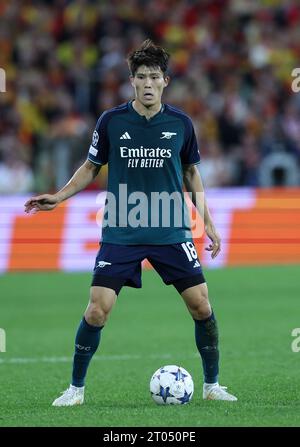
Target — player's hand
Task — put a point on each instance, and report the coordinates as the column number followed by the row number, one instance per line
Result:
column 45, row 202
column 215, row 246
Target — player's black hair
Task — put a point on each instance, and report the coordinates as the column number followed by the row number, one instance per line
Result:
column 150, row 55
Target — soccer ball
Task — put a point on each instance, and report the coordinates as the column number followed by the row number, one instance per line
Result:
column 171, row 385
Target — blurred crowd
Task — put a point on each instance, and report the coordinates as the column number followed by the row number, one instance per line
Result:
column 231, row 65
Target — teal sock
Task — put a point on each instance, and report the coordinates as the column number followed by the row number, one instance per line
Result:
column 206, row 335
column 86, row 343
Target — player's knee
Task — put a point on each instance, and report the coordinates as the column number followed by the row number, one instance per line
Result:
column 98, row 311
column 202, row 312
column 96, row 315
column 100, row 305
column 201, row 308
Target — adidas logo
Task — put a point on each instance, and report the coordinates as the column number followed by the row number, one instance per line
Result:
column 197, row 264
column 125, row 136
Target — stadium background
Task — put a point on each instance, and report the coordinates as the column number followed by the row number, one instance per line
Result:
column 231, row 71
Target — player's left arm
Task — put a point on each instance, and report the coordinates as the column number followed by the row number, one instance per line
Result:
column 193, row 183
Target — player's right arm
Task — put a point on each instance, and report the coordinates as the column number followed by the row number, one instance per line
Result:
column 80, row 180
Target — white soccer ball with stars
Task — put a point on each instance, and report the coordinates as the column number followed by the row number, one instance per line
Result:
column 171, row 385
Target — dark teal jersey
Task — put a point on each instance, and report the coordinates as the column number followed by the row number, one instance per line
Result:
column 145, row 201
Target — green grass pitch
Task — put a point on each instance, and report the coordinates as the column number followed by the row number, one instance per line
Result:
column 256, row 308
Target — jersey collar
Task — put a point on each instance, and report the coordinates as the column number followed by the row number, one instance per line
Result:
column 142, row 117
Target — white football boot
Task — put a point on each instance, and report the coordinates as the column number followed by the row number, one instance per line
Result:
column 214, row 391
column 72, row 396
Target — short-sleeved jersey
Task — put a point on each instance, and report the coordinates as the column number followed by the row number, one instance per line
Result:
column 145, row 201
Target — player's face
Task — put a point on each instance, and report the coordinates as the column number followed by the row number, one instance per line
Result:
column 148, row 84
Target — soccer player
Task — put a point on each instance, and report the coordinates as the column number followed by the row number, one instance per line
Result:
column 150, row 149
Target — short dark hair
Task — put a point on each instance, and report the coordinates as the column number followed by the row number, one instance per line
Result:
column 150, row 55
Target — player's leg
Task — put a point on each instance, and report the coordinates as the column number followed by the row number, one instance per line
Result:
column 178, row 264
column 87, row 340
column 115, row 266
column 206, row 336
column 89, row 331
column 206, row 329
